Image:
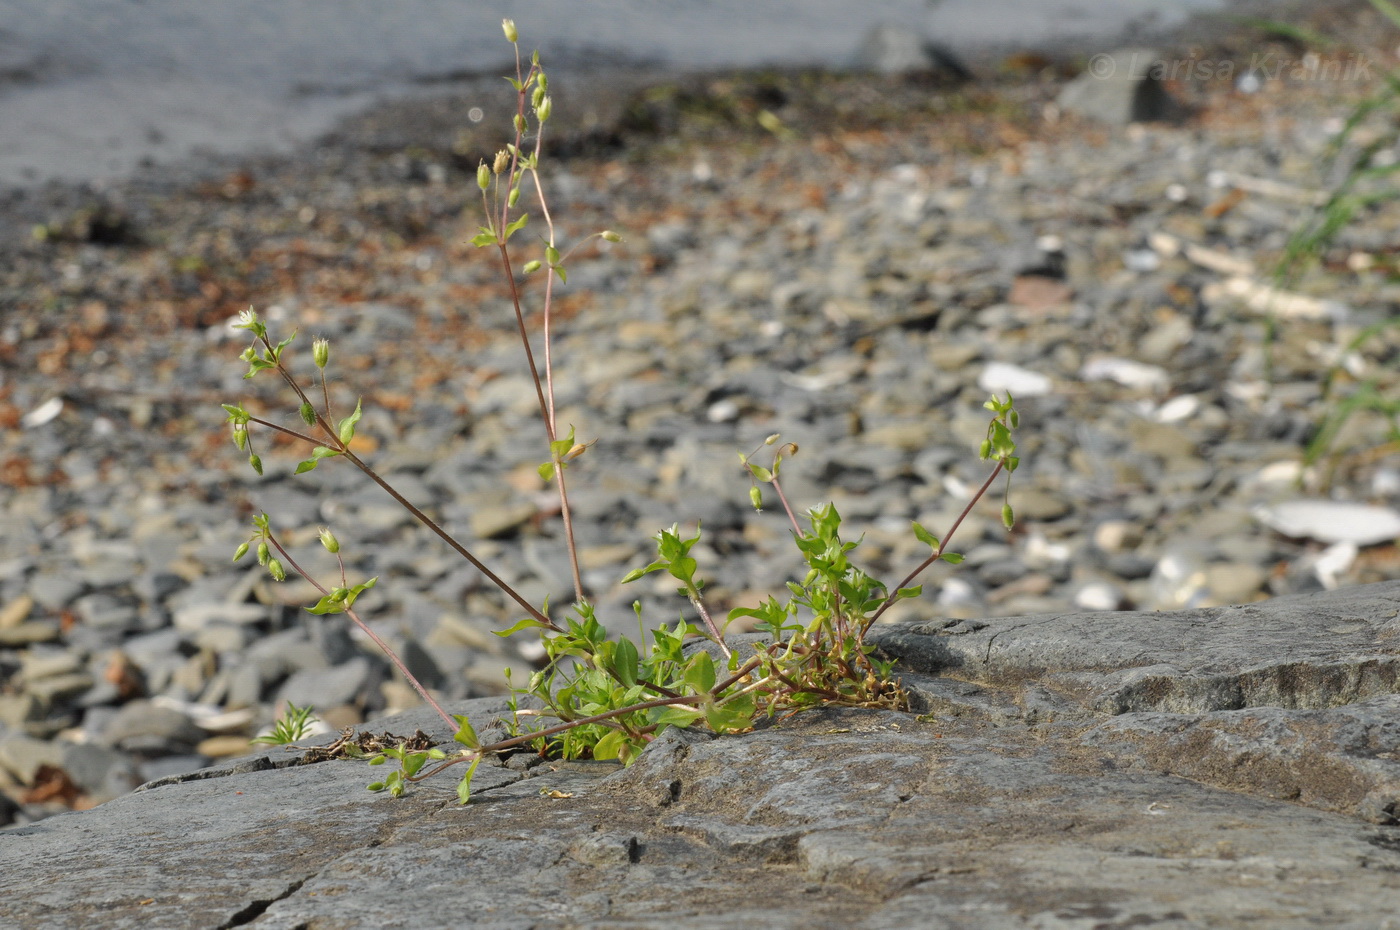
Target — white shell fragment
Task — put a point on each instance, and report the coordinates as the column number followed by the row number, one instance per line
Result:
column 1125, row 372
column 1331, row 521
column 1177, row 409
column 43, row 413
column 1001, row 377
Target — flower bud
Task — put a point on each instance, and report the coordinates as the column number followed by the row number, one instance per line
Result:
column 1008, row 519
column 519, row 124
column 275, row 569
column 240, row 552
column 610, row 236
column 514, row 196
column 771, row 439
column 321, row 352
column 756, row 497
column 264, row 553
column 544, row 109
column 329, row 541
column 508, row 27
column 483, row 176
column 502, row 162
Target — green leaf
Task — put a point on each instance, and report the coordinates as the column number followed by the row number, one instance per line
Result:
column 330, row 604
column 761, row 473
column 546, row 471
column 903, row 593
column 483, row 239
column 464, row 787
column 677, row 717
column 318, row 453
column 700, row 673
column 346, row 429
column 563, row 275
column 925, row 537
column 734, row 714
column 625, row 661
column 529, row 623
column 684, row 569
column 466, row 734
column 636, row 573
column 610, row 746
column 952, row 558
column 519, row 224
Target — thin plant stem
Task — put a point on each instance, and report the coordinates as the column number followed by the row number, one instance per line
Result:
column 710, row 624
column 792, row 518
column 938, row 553
column 285, row 430
column 524, row 738
column 418, row 514
column 387, row 650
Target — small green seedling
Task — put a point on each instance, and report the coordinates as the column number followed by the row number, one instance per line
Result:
column 294, row 724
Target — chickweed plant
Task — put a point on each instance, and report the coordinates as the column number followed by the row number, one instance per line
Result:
column 601, row 695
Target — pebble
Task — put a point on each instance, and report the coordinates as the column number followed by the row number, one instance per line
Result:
column 859, row 292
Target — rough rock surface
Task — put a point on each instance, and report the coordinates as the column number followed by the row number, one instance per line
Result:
column 1226, row 768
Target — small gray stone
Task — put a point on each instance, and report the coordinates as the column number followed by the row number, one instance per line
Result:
column 1119, row 88
column 53, row 590
column 191, row 618
column 328, row 687
column 148, row 729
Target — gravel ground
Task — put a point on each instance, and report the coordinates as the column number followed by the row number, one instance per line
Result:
column 856, row 270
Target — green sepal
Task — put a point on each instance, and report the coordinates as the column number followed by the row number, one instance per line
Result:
column 346, row 429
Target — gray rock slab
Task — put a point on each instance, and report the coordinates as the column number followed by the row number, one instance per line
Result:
column 1306, row 651
column 1020, row 796
column 1341, row 758
column 837, row 817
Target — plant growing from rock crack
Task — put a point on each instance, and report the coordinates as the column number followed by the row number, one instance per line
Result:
column 609, row 696
column 294, row 724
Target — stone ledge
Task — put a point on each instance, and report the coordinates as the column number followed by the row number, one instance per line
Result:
column 1255, row 786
